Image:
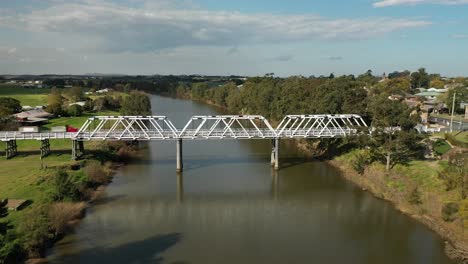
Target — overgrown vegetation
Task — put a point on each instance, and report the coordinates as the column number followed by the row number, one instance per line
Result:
column 55, row 186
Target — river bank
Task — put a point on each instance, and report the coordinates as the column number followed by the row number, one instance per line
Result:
column 57, row 190
column 397, row 187
column 379, row 182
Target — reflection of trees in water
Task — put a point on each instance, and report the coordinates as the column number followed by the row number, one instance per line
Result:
column 148, row 250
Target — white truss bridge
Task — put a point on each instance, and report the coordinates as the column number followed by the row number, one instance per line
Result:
column 146, row 128
column 129, row 128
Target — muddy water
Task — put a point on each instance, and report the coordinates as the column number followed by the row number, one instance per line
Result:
column 228, row 206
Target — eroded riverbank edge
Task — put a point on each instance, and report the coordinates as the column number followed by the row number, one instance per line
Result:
column 455, row 245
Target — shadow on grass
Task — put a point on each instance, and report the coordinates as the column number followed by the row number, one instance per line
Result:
column 143, row 251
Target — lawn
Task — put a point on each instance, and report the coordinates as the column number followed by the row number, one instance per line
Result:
column 27, row 96
column 76, row 122
column 462, row 137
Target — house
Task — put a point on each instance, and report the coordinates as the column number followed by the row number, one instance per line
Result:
column 82, row 103
column 35, row 116
column 106, row 90
column 429, row 95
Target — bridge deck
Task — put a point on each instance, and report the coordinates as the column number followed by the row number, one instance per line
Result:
column 202, row 127
column 169, row 134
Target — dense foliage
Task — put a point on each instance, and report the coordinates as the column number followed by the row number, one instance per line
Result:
column 9, row 106
column 136, row 104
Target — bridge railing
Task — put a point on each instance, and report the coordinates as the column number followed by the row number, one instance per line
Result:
column 203, row 127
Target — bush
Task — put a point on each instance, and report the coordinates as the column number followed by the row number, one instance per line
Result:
column 414, row 196
column 455, row 175
column 137, row 103
column 34, row 229
column 96, row 174
column 361, row 161
column 65, row 188
column 127, row 153
column 450, row 211
column 61, row 214
column 440, row 147
column 75, row 110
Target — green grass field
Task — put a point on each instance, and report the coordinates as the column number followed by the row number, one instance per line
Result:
column 75, row 121
column 27, row 96
column 462, row 137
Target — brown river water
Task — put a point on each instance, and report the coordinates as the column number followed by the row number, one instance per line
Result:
column 229, row 206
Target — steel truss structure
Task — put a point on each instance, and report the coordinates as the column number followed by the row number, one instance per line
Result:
column 320, row 126
column 127, row 128
column 227, row 127
column 130, row 128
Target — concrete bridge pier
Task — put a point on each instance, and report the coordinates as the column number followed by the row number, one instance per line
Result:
column 11, row 149
column 275, row 153
column 77, row 149
column 180, row 164
column 45, row 148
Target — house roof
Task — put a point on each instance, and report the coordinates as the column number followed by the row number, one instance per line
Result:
column 428, row 94
column 35, row 113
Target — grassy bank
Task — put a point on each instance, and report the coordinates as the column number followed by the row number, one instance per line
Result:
column 56, row 188
column 417, row 189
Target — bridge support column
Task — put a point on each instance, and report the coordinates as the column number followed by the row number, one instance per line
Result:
column 45, row 148
column 180, row 164
column 272, row 162
column 11, row 149
column 275, row 153
column 77, row 149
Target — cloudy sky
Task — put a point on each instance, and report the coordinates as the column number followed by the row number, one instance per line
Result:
column 247, row 37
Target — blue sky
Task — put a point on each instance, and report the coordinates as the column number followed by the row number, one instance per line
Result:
column 244, row 37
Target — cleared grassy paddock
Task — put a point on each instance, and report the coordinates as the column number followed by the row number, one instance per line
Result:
column 27, row 96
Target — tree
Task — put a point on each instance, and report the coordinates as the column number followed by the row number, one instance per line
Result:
column 75, row 94
column 420, row 79
column 461, row 96
column 9, row 106
column 394, row 140
column 455, row 174
column 55, row 102
column 75, row 110
column 367, row 78
column 137, row 103
column 437, row 83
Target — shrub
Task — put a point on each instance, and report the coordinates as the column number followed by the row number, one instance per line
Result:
column 361, row 161
column 440, row 147
column 34, row 229
column 65, row 188
column 61, row 214
column 127, row 153
column 96, row 174
column 450, row 211
column 414, row 196
column 75, row 110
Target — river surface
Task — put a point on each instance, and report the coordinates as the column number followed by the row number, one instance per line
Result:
column 229, row 206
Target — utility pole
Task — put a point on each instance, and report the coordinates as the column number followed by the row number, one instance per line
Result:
column 453, row 110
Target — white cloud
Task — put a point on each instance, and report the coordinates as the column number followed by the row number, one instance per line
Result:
column 152, row 27
column 285, row 57
column 335, row 58
column 385, row 3
column 460, row 36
